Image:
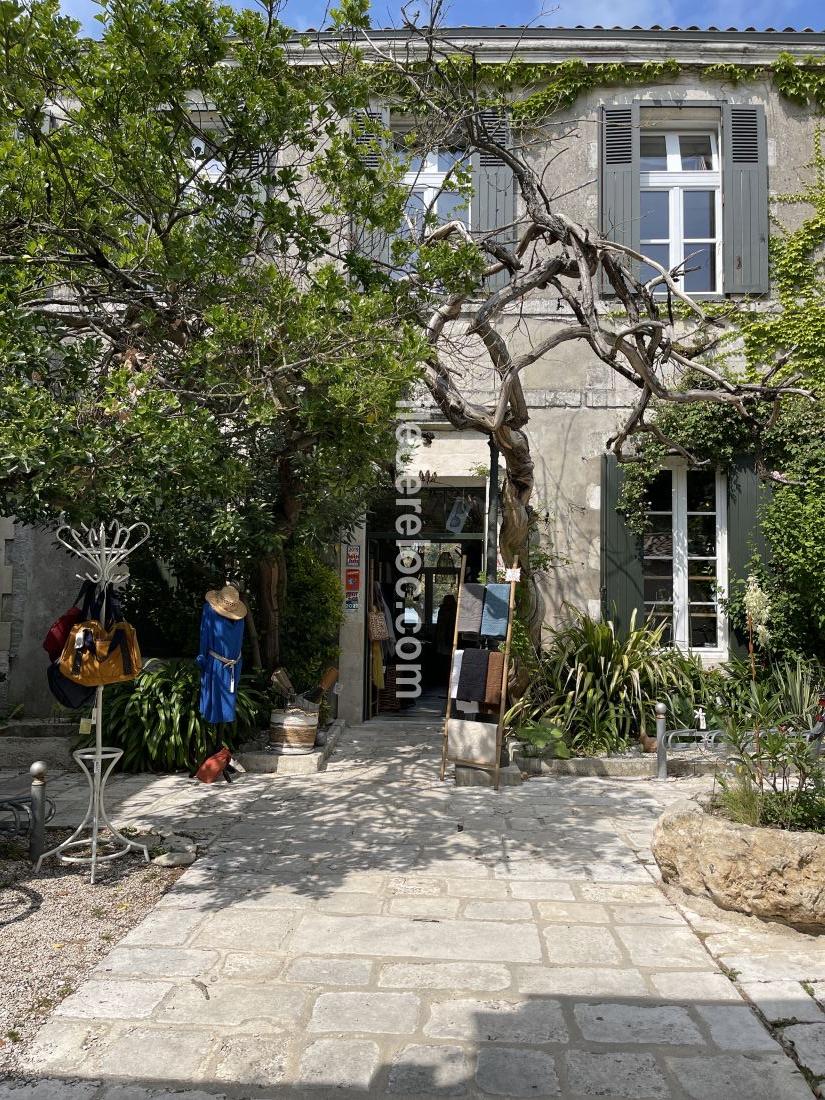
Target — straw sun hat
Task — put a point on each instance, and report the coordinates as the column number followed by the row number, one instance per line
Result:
column 227, row 602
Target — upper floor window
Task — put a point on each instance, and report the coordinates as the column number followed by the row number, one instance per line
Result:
column 204, row 165
column 681, row 206
column 428, row 180
column 689, row 181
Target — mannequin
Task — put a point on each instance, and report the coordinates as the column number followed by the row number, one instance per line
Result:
column 222, row 627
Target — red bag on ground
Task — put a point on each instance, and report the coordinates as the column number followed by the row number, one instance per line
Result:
column 59, row 631
column 213, row 766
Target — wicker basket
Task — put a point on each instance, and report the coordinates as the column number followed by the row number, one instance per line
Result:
column 387, row 697
column 294, row 728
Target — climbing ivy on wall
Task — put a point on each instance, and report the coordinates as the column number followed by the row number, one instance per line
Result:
column 536, row 91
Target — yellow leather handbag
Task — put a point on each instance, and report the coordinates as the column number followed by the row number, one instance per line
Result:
column 95, row 655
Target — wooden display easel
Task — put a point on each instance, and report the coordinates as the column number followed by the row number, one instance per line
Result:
column 447, row 756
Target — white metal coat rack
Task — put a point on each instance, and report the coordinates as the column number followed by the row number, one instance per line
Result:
column 104, row 549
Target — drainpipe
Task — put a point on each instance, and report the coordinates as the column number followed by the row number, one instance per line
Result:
column 492, row 515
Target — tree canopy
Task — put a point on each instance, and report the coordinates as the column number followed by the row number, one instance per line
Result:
column 181, row 340
column 197, row 330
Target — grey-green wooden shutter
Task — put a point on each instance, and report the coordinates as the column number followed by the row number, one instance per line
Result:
column 493, row 203
column 746, row 496
column 622, row 582
column 373, row 243
column 744, row 199
column 619, row 182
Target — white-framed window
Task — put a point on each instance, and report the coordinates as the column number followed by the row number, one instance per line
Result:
column 681, row 206
column 202, row 163
column 685, row 558
column 428, row 179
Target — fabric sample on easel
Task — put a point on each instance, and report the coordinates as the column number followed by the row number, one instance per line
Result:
column 495, row 671
column 474, row 742
column 472, row 681
column 455, row 672
column 468, row 709
column 496, row 611
column 471, row 605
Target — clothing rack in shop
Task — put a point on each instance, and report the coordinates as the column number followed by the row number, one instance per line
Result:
column 489, row 760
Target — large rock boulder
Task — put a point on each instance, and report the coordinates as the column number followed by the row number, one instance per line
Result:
column 769, row 873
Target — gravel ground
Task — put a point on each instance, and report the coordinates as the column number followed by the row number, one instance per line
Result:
column 55, row 927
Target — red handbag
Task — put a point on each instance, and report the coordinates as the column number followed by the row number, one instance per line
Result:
column 214, row 766
column 59, row 631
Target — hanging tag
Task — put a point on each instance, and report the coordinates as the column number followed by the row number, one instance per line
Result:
column 338, row 688
column 512, row 574
column 85, row 727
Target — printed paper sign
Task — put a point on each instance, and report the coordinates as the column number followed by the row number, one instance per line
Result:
column 351, row 601
column 512, row 574
column 352, row 580
column 353, row 555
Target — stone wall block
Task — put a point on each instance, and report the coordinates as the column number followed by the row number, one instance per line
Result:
column 608, row 399
column 563, row 399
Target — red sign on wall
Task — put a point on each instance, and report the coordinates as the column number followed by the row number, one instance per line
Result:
column 352, row 580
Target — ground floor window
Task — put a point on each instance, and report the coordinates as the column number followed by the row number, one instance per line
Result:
column 685, row 557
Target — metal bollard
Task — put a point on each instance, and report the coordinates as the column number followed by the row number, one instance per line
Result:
column 37, row 841
column 661, row 746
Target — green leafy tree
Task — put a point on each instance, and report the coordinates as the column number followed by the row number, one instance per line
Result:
column 181, row 338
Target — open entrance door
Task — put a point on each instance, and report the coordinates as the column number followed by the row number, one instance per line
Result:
column 413, row 583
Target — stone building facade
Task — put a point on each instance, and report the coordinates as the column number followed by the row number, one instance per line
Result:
column 692, row 164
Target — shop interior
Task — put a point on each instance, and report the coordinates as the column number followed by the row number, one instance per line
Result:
column 453, row 526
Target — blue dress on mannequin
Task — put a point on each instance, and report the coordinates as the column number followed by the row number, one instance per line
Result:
column 220, row 638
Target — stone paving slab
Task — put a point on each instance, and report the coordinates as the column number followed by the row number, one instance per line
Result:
column 371, row 931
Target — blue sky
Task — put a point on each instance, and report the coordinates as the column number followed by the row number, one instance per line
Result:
column 721, row 13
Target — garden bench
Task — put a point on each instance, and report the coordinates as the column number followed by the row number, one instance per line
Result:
column 16, row 818
column 689, row 738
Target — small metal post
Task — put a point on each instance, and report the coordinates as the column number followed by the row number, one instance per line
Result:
column 661, row 746
column 37, row 841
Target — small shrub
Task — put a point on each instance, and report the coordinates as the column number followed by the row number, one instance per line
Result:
column 777, row 778
column 600, row 686
column 156, row 719
column 803, row 810
column 312, row 616
column 797, row 686
column 543, row 738
column 740, row 799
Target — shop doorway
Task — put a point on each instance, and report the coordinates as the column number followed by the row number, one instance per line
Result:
column 407, row 674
